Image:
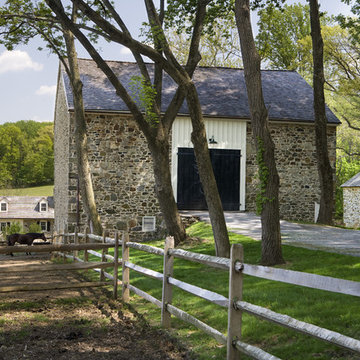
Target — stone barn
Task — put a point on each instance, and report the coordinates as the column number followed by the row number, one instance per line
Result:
column 351, row 202
column 122, row 167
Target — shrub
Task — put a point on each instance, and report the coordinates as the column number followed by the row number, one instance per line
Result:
column 14, row 228
column 35, row 228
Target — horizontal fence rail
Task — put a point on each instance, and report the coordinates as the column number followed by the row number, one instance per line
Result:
column 287, row 276
column 65, row 247
column 236, row 269
column 213, row 261
column 300, row 326
column 313, row 281
column 53, row 248
column 211, row 296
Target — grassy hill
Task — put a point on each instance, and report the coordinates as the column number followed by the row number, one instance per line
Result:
column 47, row 190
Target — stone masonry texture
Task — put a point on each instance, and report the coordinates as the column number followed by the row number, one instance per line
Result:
column 121, row 169
column 123, row 180
column 297, row 167
column 351, row 206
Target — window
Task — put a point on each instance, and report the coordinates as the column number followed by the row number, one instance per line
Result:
column 3, row 207
column 3, row 226
column 43, row 206
column 43, row 225
column 148, row 223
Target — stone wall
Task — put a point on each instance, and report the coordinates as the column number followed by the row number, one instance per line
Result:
column 297, row 167
column 123, row 178
column 351, row 206
column 122, row 172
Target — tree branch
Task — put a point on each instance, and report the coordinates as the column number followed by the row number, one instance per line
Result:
column 126, row 40
column 347, row 152
column 347, row 120
column 194, row 54
column 136, row 54
column 120, row 90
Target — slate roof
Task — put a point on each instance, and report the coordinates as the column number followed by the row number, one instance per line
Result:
column 222, row 92
column 353, row 182
column 26, row 207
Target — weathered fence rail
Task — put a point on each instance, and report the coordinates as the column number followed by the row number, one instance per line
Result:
column 58, row 248
column 235, row 305
column 53, row 248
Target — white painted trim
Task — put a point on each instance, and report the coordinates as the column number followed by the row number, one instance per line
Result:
column 46, row 205
column 229, row 133
column 7, row 206
column 148, row 223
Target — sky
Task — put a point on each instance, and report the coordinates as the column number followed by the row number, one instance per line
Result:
column 28, row 77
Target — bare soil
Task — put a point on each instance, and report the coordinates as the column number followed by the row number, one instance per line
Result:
column 74, row 324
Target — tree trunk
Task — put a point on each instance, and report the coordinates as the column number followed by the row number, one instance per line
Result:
column 324, row 167
column 84, row 174
column 268, row 197
column 181, row 77
column 206, row 173
column 160, row 155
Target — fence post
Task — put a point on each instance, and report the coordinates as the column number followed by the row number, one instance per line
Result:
column 103, row 258
column 54, row 239
column 235, row 294
column 116, row 265
column 167, row 288
column 125, row 270
column 76, row 241
column 86, row 239
column 60, row 240
column 65, row 241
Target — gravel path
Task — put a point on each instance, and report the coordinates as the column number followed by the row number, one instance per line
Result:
column 327, row 238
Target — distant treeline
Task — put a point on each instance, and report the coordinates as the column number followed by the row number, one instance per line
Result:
column 26, row 154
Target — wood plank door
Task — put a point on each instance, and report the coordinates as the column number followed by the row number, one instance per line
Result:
column 226, row 166
column 190, row 194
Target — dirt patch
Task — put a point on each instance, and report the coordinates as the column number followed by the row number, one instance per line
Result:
column 75, row 324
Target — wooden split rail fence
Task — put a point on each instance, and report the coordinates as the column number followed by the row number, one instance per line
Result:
column 57, row 248
column 237, row 268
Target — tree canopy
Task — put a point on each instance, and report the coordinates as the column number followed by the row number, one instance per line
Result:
column 26, row 154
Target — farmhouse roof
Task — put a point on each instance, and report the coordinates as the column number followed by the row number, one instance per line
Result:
column 27, row 207
column 222, row 92
column 353, row 182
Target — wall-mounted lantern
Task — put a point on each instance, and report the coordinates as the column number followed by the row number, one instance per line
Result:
column 212, row 140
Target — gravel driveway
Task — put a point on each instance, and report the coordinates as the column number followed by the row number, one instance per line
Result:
column 327, row 238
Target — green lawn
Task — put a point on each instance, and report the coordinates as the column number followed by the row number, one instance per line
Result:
column 47, row 190
column 332, row 311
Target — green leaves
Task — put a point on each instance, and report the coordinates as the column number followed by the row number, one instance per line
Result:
column 144, row 94
column 222, row 48
column 279, row 34
column 26, row 154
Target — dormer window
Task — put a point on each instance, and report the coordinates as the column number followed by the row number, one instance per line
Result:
column 43, row 206
column 3, row 206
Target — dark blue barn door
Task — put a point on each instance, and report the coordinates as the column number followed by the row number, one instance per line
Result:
column 226, row 166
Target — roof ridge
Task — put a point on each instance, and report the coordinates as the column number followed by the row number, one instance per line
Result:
column 199, row 67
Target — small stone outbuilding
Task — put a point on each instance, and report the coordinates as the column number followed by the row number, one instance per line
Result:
column 121, row 164
column 351, row 202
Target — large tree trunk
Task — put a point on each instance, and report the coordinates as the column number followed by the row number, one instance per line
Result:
column 84, row 174
column 206, row 173
column 180, row 76
column 324, row 167
column 160, row 155
column 268, row 197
